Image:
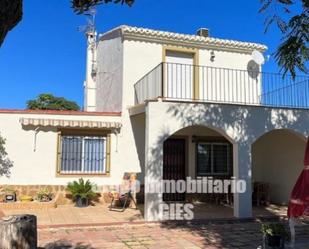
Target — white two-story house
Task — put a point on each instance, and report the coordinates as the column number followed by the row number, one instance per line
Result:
column 166, row 106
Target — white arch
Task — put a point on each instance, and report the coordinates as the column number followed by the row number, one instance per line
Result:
column 295, row 132
column 214, row 128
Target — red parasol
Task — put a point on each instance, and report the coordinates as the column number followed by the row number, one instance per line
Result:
column 299, row 201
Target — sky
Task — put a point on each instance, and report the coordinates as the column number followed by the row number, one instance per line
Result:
column 45, row 53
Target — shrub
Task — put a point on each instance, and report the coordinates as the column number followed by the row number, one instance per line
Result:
column 81, row 189
column 274, row 229
column 44, row 195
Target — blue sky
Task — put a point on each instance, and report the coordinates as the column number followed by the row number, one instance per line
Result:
column 46, row 54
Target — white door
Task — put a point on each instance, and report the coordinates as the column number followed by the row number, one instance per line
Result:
column 179, row 75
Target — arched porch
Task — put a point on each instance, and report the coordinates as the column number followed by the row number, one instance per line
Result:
column 277, row 160
column 200, row 153
column 240, row 125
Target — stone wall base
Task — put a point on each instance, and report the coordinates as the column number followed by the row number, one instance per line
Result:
column 33, row 205
column 60, row 195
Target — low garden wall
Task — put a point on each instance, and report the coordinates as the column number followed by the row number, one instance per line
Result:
column 60, row 196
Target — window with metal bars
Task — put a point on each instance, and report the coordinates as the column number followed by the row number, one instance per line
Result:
column 214, row 158
column 82, row 154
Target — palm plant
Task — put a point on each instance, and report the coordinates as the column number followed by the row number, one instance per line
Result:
column 275, row 235
column 81, row 191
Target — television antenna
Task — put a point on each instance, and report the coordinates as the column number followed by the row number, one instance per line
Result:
column 91, row 34
column 90, row 27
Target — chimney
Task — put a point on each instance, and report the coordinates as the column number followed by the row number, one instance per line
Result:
column 203, row 32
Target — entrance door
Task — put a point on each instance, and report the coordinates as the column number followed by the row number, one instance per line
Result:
column 174, row 165
column 179, row 72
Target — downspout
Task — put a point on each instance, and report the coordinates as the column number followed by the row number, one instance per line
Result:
column 116, row 132
column 36, row 131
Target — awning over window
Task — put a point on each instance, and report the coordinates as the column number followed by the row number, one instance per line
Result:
column 69, row 123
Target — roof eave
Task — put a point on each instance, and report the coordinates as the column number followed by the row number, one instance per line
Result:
column 195, row 44
column 149, row 35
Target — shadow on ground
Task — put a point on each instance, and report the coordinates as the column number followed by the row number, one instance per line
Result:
column 63, row 244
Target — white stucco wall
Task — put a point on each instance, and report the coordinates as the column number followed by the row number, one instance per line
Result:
column 277, row 159
column 226, row 78
column 241, row 125
column 110, row 72
column 39, row 167
column 139, row 59
column 122, row 62
column 135, row 59
column 216, row 81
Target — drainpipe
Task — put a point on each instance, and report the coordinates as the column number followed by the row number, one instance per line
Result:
column 116, row 132
column 36, row 131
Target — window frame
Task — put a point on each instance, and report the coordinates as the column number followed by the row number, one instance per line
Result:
column 84, row 133
column 228, row 154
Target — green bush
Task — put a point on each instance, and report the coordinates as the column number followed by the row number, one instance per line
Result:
column 81, row 189
column 273, row 229
column 8, row 190
column 44, row 195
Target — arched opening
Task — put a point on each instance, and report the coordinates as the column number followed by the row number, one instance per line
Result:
column 200, row 153
column 277, row 160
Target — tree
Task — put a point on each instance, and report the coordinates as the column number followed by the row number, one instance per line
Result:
column 293, row 52
column 50, row 102
column 80, row 6
column 5, row 163
column 10, row 14
column 11, row 11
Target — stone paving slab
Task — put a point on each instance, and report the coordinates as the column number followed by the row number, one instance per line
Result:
column 226, row 236
column 68, row 214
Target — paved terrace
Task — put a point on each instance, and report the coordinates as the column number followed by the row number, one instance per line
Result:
column 68, row 215
column 96, row 227
column 245, row 235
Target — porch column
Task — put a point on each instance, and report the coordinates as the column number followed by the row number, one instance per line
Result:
column 153, row 168
column 242, row 171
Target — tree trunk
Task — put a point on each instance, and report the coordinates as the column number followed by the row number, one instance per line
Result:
column 18, row 232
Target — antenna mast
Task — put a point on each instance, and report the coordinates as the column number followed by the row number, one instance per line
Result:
column 90, row 28
column 91, row 64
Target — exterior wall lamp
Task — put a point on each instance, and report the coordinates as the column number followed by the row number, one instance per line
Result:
column 212, row 56
column 194, row 138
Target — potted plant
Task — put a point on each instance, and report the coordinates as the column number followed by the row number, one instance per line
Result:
column 274, row 235
column 9, row 194
column 44, row 195
column 81, row 191
column 26, row 198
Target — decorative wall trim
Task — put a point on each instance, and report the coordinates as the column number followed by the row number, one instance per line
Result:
column 171, row 38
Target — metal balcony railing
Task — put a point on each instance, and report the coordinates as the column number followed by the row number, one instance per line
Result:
column 181, row 82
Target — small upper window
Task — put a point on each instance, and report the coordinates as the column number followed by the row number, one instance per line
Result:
column 83, row 154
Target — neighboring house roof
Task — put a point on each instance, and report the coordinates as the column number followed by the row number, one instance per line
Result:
column 57, row 112
column 151, row 35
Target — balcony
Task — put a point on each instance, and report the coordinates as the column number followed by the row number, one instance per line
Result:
column 181, row 82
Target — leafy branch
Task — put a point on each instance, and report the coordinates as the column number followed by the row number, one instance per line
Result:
column 293, row 52
column 5, row 163
column 81, row 6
